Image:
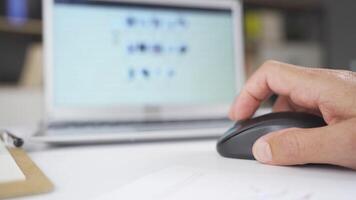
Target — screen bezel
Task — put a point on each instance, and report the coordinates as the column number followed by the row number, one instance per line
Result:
column 144, row 112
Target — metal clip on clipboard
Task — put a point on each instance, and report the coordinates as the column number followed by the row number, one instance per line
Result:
column 10, row 139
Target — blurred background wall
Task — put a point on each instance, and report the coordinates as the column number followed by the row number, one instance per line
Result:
column 305, row 32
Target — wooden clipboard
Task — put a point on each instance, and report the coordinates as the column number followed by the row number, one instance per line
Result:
column 36, row 182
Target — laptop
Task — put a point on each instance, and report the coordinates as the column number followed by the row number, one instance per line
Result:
column 132, row 70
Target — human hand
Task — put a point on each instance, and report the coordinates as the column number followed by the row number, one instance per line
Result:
column 328, row 93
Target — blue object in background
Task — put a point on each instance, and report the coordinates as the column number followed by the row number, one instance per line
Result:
column 16, row 11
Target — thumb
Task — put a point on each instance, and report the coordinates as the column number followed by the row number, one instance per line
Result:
column 330, row 144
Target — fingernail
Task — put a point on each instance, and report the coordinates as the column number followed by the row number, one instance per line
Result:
column 262, row 151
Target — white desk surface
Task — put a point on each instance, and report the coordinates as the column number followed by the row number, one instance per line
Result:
column 84, row 172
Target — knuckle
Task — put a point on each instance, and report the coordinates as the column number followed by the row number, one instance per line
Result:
column 344, row 75
column 292, row 148
column 270, row 63
column 271, row 67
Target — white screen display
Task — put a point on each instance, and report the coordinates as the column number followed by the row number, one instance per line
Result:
column 114, row 54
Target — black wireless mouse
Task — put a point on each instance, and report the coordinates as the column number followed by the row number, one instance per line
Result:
column 237, row 142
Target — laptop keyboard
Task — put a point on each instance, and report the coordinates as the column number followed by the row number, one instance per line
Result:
column 137, row 126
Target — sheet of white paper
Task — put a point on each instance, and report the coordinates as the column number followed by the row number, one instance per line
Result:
column 193, row 183
column 9, row 171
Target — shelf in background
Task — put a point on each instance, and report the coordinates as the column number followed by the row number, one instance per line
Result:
column 31, row 26
column 286, row 4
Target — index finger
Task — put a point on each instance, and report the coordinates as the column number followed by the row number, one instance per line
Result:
column 298, row 83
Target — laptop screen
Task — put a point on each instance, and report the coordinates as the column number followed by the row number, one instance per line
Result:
column 114, row 54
